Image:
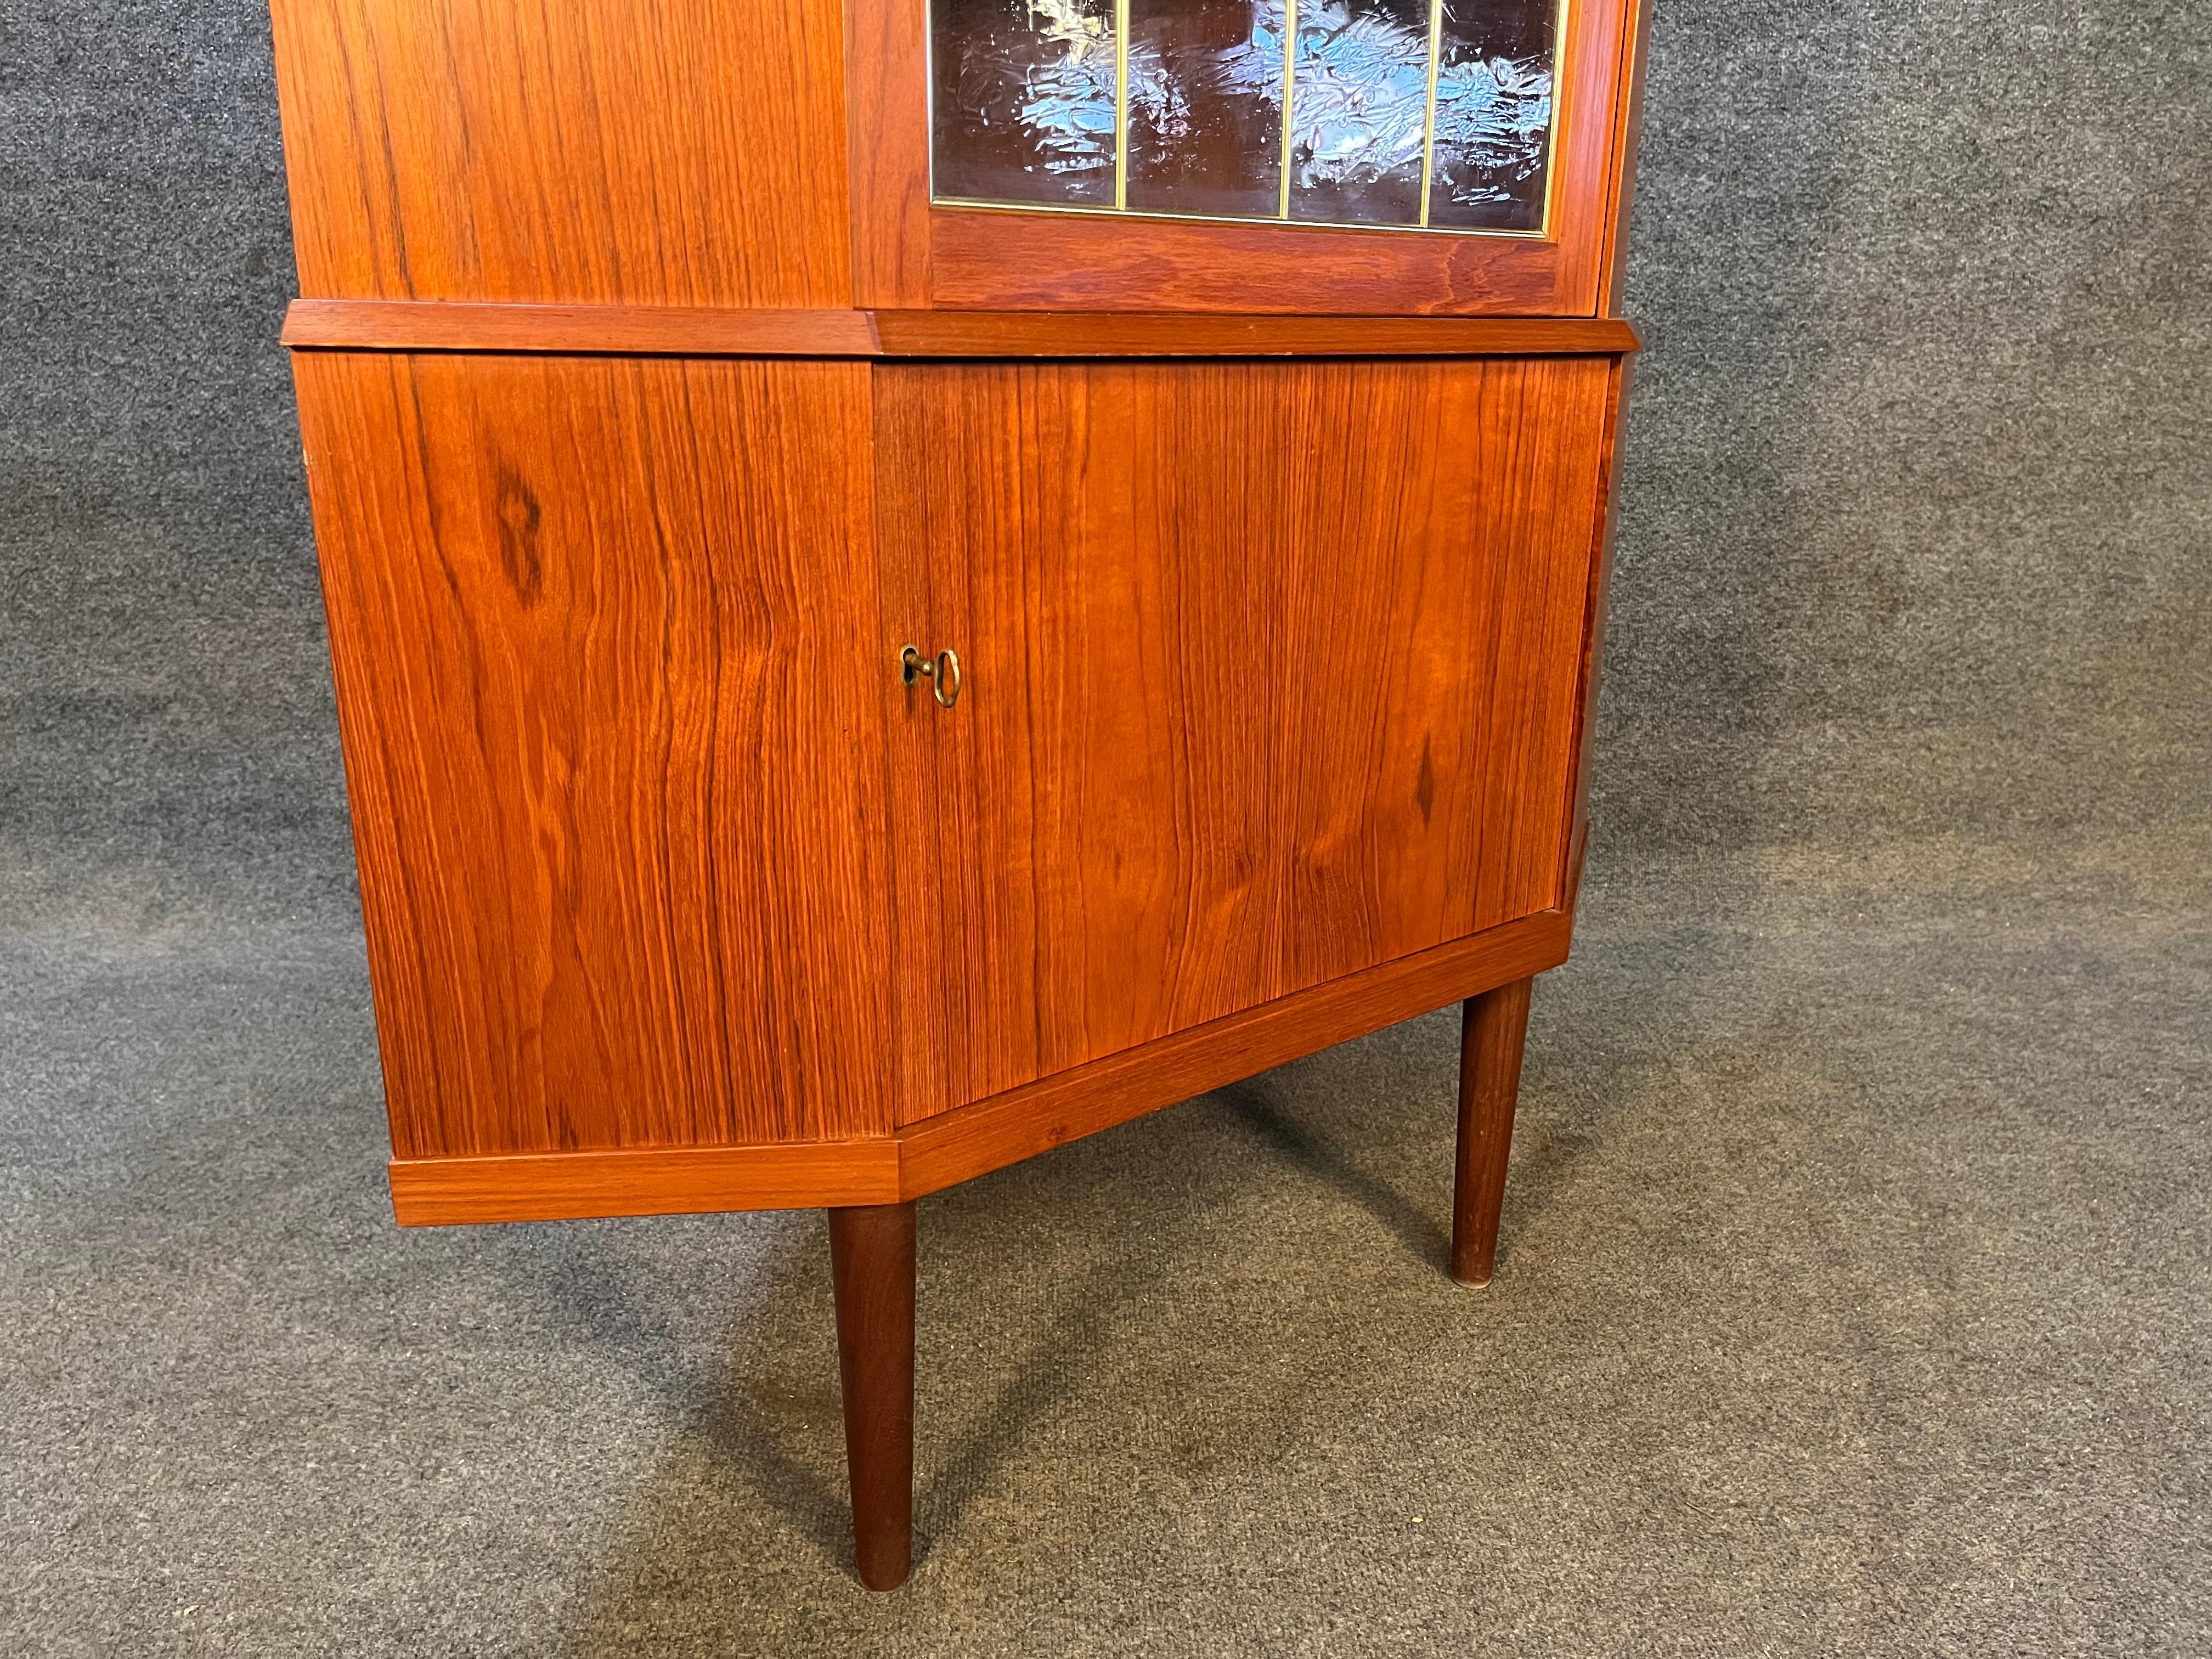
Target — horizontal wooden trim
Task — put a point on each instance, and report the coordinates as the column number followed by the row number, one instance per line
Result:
column 616, row 330
column 1129, row 334
column 677, row 1181
column 972, row 1140
column 684, row 330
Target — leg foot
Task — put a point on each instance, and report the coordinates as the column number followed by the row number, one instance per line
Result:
column 1489, row 1083
column 872, row 1262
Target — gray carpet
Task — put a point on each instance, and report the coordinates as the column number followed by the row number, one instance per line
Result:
column 1857, row 1293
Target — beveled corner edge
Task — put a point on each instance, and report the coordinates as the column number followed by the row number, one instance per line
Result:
column 971, row 1140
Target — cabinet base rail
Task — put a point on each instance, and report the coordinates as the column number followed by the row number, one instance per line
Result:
column 941, row 1151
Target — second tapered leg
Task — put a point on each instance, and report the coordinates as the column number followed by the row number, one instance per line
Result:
column 872, row 1263
column 1490, row 1037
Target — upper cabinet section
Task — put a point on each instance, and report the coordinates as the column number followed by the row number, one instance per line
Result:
column 1321, row 156
column 1398, row 114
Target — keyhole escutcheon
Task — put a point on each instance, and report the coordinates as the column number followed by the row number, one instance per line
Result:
column 942, row 672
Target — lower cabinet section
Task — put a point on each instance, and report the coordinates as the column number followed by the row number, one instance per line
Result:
column 1269, row 684
column 1271, row 673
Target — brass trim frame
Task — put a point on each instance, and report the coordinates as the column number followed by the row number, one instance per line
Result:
column 966, row 204
column 1560, row 19
column 1289, row 89
column 1122, row 107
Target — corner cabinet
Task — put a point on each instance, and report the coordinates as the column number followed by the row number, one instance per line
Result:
column 910, row 584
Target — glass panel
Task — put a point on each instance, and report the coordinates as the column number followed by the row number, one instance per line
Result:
column 1024, row 99
column 1205, row 106
column 1494, row 114
column 1025, row 92
column 1359, row 110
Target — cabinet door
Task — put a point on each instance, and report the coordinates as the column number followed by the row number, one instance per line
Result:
column 1355, row 156
column 604, row 640
column 1270, row 674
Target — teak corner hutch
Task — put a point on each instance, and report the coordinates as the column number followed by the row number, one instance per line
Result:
column 910, row 579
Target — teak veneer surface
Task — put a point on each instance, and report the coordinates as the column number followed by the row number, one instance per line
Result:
column 1272, row 670
column 1272, row 673
column 677, row 152
column 585, row 330
column 605, row 640
column 445, row 326
column 1062, row 334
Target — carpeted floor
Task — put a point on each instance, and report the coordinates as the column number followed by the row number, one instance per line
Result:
column 1856, row 1294
column 1853, row 1301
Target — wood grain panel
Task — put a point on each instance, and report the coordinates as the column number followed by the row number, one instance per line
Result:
column 680, row 154
column 988, row 260
column 1271, row 668
column 445, row 326
column 604, row 634
column 887, row 96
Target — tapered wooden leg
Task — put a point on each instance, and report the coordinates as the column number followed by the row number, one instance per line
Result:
column 1490, row 1037
column 871, row 1261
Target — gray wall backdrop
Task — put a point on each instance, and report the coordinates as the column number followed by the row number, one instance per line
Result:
column 1907, row 675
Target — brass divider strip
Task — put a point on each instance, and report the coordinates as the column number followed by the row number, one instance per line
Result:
column 1121, row 106
column 1290, row 82
column 1429, row 114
